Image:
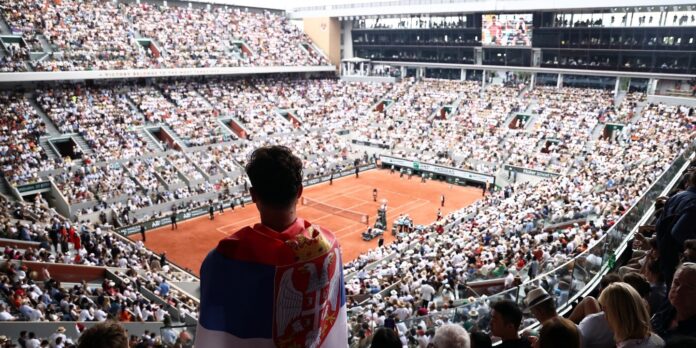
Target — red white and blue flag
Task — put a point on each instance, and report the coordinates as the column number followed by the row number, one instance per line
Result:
column 261, row 288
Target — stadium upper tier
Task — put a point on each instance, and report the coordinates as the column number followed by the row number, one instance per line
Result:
column 74, row 35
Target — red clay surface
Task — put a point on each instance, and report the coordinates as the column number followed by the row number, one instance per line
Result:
column 190, row 243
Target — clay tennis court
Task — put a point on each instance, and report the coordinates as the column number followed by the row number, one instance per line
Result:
column 190, row 243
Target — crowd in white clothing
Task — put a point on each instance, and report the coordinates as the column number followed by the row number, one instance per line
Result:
column 104, row 35
column 100, row 115
column 30, row 294
column 21, row 156
column 501, row 234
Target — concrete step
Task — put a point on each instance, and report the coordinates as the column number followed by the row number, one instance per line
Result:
column 47, row 47
column 175, row 136
column 82, row 143
column 4, row 27
column 638, row 113
column 45, row 144
column 597, row 131
column 152, row 144
column 5, row 188
column 51, row 128
column 133, row 107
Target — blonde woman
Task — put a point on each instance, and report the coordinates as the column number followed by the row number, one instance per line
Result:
column 628, row 317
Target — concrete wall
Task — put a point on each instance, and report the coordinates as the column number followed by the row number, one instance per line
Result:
column 326, row 34
column 63, row 272
column 45, row 329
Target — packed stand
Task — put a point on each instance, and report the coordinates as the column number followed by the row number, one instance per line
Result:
column 100, row 115
column 21, row 127
column 195, row 119
column 103, row 35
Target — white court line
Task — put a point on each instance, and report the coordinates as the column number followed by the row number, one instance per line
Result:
column 222, row 229
column 349, row 208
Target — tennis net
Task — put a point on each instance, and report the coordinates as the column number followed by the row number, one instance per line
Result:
column 346, row 213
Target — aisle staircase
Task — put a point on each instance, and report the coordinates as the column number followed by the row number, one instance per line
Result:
column 51, row 128
column 82, row 143
column 48, row 148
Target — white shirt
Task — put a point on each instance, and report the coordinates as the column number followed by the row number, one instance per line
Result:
column 85, row 315
column 595, row 331
column 159, row 314
column 427, row 292
column 33, row 343
column 4, row 316
column 100, row 315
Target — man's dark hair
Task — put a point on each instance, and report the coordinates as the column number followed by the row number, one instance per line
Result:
column 480, row 340
column 509, row 311
column 106, row 334
column 385, row 338
column 691, row 181
column 275, row 175
column 638, row 282
column 558, row 332
column 608, row 279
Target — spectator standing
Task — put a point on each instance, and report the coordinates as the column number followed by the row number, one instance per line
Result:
column 281, row 271
column 674, row 226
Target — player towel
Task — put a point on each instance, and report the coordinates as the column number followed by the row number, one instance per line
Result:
column 261, row 288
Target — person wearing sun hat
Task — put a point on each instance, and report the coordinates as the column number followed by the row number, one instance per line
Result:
column 60, row 332
column 541, row 305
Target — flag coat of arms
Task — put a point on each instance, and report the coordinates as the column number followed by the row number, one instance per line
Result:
column 262, row 288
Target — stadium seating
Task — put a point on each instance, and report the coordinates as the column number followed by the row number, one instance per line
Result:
column 104, row 35
column 515, row 233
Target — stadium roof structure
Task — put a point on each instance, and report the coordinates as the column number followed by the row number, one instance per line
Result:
column 171, row 72
column 563, row 71
column 353, row 10
column 355, row 60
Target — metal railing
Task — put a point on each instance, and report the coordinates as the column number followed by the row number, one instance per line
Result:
column 569, row 280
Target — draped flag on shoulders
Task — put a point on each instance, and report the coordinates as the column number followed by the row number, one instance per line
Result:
column 261, row 288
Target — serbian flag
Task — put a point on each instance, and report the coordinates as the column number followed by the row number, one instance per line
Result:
column 261, row 288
